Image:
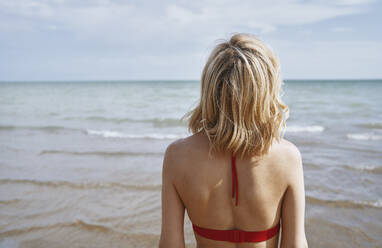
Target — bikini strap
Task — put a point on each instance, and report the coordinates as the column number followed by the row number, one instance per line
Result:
column 236, row 236
column 235, row 185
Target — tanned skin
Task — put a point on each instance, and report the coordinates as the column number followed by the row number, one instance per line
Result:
column 270, row 188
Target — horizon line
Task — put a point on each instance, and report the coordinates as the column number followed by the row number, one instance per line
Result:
column 174, row 80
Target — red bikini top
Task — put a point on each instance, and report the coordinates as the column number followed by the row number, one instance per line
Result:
column 236, row 236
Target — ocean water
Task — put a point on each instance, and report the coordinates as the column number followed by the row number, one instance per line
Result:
column 80, row 162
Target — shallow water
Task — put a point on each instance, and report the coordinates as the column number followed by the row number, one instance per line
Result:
column 80, row 162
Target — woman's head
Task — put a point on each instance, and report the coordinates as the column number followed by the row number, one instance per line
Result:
column 240, row 109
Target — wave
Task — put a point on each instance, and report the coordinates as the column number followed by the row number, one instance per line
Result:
column 310, row 129
column 101, row 153
column 38, row 128
column 372, row 125
column 9, row 202
column 77, row 223
column 369, row 169
column 345, row 203
column 102, row 133
column 363, row 136
column 87, row 185
column 83, row 224
column 157, row 122
column 114, row 134
column 92, row 226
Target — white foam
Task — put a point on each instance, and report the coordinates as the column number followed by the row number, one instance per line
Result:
column 363, row 136
column 310, row 129
column 377, row 203
column 366, row 168
column 114, row 134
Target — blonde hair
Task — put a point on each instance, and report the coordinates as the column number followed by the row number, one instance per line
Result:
column 240, row 107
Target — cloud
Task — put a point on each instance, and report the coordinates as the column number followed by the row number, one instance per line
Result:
column 166, row 39
column 342, row 30
column 354, row 2
column 120, row 20
column 329, row 59
column 159, row 27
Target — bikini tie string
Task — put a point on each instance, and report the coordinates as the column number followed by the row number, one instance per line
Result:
column 235, row 186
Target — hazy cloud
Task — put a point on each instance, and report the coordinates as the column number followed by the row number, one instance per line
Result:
column 163, row 34
column 342, row 29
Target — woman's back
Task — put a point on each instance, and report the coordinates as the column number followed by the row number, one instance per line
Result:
column 240, row 114
column 204, row 184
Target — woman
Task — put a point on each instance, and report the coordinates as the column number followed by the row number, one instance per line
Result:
column 238, row 178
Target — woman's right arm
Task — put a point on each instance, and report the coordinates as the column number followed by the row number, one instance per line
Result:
column 293, row 208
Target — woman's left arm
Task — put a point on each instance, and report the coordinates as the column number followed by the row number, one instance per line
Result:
column 172, row 233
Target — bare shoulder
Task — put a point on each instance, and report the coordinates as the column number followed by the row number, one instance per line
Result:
column 171, row 156
column 173, row 148
column 179, row 152
column 287, row 156
column 290, row 150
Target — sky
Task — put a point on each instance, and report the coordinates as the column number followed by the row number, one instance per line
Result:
column 159, row 40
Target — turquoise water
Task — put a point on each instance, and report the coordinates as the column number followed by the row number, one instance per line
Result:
column 83, row 159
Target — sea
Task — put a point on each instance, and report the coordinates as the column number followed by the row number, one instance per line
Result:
column 81, row 162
